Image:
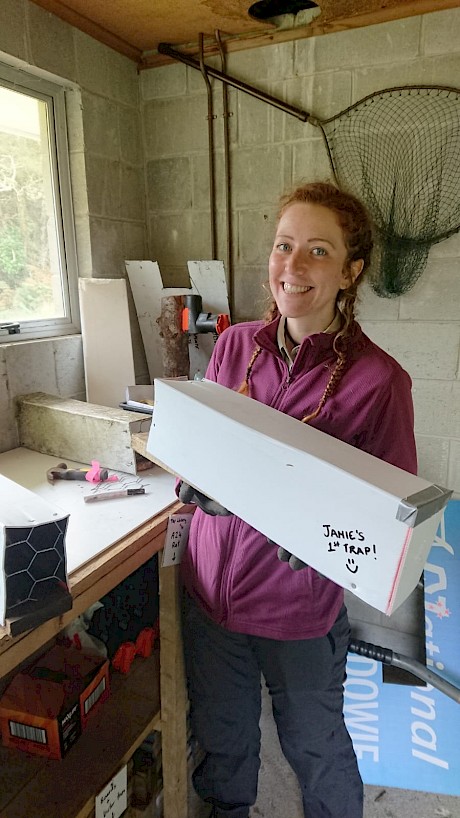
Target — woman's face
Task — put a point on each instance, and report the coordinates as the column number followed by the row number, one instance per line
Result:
column 307, row 265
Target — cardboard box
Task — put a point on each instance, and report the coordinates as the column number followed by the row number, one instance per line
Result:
column 361, row 522
column 33, row 571
column 46, row 707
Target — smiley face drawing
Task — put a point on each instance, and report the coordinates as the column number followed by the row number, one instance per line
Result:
column 350, row 565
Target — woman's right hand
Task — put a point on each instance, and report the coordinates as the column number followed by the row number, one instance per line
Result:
column 187, row 494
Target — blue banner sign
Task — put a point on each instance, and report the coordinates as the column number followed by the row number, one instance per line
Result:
column 405, row 736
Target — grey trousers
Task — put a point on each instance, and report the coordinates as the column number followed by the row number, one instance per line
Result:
column 305, row 681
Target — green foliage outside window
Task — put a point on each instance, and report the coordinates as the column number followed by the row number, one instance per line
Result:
column 25, row 199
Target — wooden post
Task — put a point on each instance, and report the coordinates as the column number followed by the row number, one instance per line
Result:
column 173, row 697
column 176, row 362
column 174, row 341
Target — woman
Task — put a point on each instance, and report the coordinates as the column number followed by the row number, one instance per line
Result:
column 246, row 613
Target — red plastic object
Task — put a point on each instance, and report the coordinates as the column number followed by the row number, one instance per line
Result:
column 223, row 323
column 144, row 642
column 185, row 319
column 124, row 656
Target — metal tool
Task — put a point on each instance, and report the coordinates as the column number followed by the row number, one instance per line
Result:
column 61, row 472
column 195, row 321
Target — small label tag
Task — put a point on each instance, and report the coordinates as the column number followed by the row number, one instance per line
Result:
column 176, row 538
column 112, row 801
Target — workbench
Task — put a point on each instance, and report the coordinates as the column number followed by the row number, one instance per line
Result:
column 106, row 541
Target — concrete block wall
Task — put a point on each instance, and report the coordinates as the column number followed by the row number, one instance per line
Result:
column 143, row 163
column 108, row 187
column 271, row 151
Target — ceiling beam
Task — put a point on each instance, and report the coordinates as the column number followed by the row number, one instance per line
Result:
column 316, row 28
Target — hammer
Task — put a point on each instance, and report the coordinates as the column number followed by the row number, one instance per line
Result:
column 61, row 472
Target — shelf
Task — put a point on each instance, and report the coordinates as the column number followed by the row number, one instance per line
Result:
column 32, row 786
column 89, row 584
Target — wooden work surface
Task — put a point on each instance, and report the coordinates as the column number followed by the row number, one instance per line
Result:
column 105, row 542
column 124, row 534
column 93, row 527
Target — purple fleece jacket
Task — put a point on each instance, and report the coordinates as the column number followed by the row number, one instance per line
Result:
column 229, row 568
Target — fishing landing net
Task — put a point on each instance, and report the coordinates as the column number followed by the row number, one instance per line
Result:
column 399, row 151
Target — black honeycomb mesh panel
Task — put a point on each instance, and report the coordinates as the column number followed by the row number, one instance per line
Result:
column 34, row 564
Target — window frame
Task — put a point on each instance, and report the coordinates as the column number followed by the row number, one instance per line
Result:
column 54, row 96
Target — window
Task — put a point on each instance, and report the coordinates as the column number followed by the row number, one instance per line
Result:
column 38, row 278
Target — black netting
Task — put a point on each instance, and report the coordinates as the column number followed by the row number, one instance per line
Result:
column 399, row 151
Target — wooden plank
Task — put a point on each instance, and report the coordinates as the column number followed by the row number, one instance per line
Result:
column 132, row 29
column 132, row 550
column 16, row 770
column 67, row 788
column 139, row 443
column 173, row 697
column 317, row 28
column 141, row 24
column 336, row 10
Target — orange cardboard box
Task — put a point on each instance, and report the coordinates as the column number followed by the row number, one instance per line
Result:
column 45, row 707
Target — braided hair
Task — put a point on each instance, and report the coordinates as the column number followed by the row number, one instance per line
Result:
column 357, row 233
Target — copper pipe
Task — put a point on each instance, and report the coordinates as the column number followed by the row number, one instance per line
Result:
column 212, row 184
column 164, row 48
column 228, row 183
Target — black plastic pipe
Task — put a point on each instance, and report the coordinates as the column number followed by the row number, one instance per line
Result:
column 390, row 657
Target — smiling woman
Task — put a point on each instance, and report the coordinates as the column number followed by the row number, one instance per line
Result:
column 308, row 268
column 322, row 248
column 248, row 608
